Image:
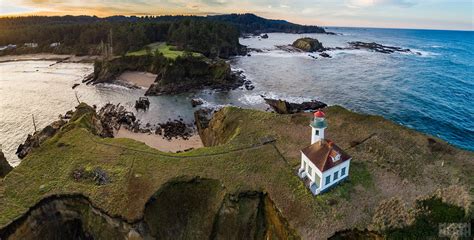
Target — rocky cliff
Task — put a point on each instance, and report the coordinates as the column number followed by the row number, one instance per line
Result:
column 182, row 209
column 109, row 70
column 190, row 73
column 177, row 205
column 5, row 167
column 178, row 75
column 239, row 186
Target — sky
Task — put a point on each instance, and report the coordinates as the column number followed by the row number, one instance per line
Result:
column 424, row 14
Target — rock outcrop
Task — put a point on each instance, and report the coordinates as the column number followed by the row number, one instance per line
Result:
column 308, row 45
column 191, row 73
column 196, row 102
column 285, row 107
column 378, row 47
column 313, row 45
column 183, row 74
column 183, row 209
column 112, row 117
column 5, row 167
column 35, row 140
column 102, row 124
column 203, row 118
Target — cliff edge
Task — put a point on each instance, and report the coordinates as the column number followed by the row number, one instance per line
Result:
column 240, row 184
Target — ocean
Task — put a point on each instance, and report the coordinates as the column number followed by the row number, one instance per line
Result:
column 432, row 92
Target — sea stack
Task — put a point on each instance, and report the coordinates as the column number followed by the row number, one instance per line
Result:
column 308, row 44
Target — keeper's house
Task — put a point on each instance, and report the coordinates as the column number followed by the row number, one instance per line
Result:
column 323, row 163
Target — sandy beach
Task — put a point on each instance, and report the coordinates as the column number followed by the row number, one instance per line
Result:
column 47, row 57
column 140, row 79
column 157, row 141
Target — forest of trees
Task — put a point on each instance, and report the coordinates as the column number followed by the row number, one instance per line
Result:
column 211, row 36
column 253, row 24
column 87, row 35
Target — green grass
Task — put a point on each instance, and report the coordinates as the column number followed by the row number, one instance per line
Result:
column 432, row 212
column 168, row 51
column 137, row 171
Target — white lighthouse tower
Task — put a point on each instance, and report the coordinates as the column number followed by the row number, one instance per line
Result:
column 318, row 127
column 323, row 163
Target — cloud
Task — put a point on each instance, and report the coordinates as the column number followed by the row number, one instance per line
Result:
column 215, row 2
column 373, row 3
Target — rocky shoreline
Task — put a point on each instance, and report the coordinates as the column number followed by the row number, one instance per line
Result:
column 173, row 76
column 378, row 163
column 285, row 107
column 115, row 117
column 107, row 121
column 313, row 45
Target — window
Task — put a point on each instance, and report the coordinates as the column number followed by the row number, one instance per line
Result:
column 310, row 171
column 317, row 132
column 336, row 175
column 304, row 165
column 328, row 179
column 343, row 171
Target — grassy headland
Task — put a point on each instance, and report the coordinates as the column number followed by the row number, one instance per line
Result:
column 165, row 49
column 388, row 161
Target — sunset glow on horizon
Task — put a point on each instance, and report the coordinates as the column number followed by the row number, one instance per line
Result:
column 430, row 14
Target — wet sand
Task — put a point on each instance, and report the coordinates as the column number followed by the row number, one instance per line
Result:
column 141, row 79
column 47, row 57
column 157, row 141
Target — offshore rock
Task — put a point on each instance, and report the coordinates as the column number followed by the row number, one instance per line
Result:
column 308, row 45
column 378, row 47
column 196, row 102
column 285, row 107
column 142, row 103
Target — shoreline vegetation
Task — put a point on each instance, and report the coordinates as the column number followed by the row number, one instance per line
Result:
column 435, row 179
column 185, row 52
column 212, row 36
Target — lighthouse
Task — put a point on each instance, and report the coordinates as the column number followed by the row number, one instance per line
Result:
column 323, row 164
column 318, row 126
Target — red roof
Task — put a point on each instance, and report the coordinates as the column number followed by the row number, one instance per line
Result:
column 319, row 114
column 322, row 153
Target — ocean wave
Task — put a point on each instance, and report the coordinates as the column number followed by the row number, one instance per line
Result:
column 213, row 105
column 251, row 99
column 280, row 54
column 113, row 86
column 237, row 69
column 421, row 53
column 256, row 98
column 336, row 53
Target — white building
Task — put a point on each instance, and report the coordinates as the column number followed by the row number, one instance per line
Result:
column 323, row 163
column 31, row 45
column 9, row 46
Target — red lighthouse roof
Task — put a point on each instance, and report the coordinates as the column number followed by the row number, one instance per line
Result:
column 319, row 114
